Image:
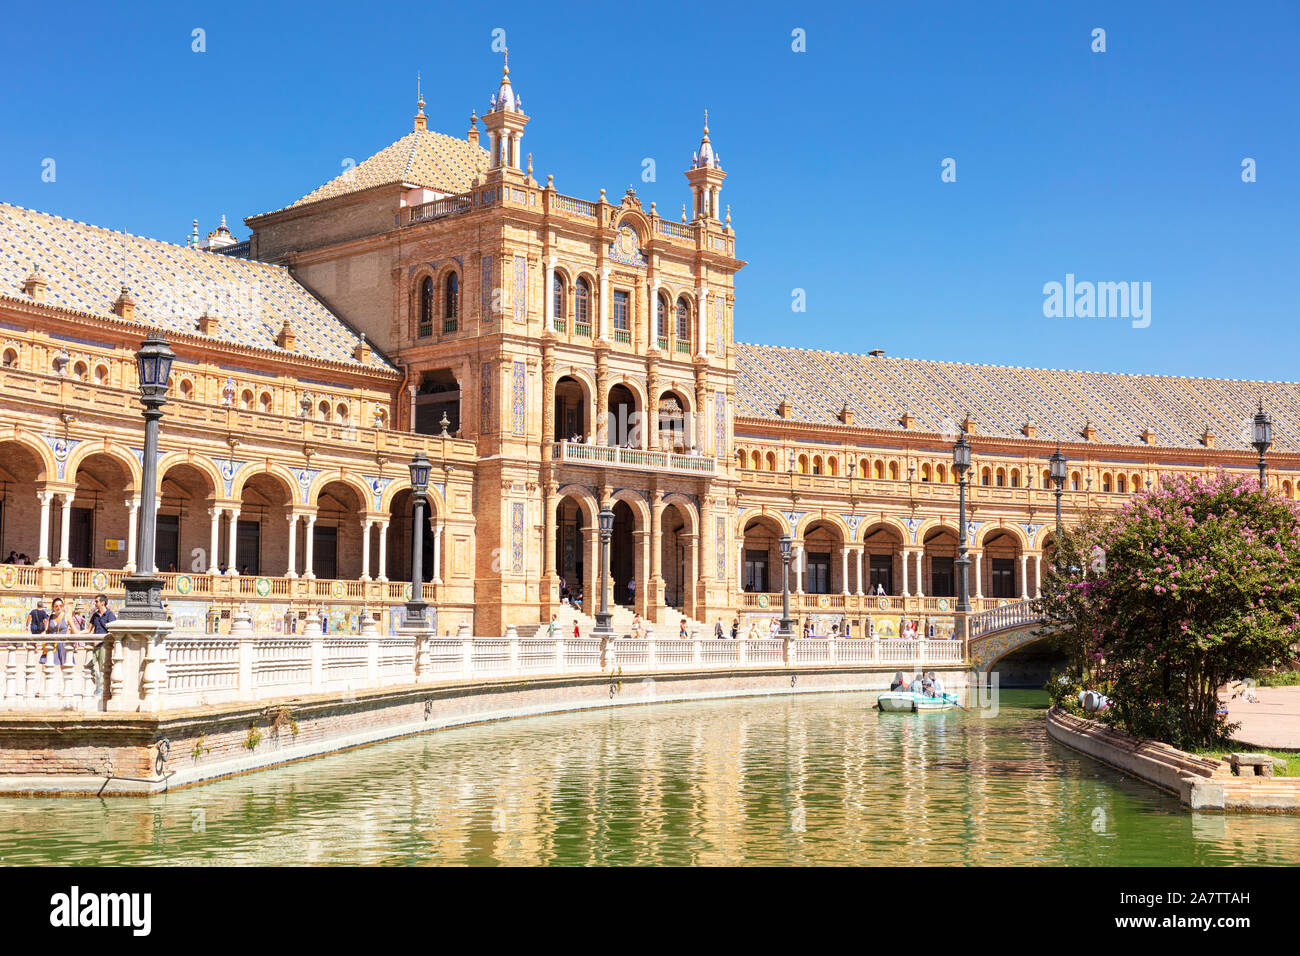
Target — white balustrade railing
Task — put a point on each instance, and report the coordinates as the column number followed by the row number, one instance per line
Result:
column 1008, row 615
column 201, row 670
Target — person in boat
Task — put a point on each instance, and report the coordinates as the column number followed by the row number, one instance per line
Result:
column 936, row 685
column 899, row 683
column 916, row 686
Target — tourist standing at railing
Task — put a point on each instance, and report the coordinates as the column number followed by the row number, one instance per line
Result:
column 774, row 628
column 99, row 622
column 735, row 628
column 717, row 631
column 638, row 629
column 12, row 558
column 60, row 623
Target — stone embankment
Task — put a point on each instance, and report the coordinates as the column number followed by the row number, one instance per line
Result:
column 1201, row 783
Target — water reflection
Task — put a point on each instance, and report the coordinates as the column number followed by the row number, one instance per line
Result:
column 804, row 780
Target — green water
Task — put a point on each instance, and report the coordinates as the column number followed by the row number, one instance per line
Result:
column 813, row 779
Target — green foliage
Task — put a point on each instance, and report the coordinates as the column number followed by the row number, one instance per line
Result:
column 1188, row 586
column 199, row 748
column 1279, row 679
column 254, row 737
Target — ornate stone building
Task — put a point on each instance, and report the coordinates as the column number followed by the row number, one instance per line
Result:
column 552, row 355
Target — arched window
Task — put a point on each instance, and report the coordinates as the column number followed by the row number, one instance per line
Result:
column 683, row 325
column 10, row 358
column 558, row 306
column 1074, row 481
column 893, row 471
column 803, row 464
column 187, row 388
column 246, row 400
column 1121, row 484
column 1001, row 477
column 741, row 459
column 582, row 307
column 880, row 470
column 264, row 402
column 450, row 302
column 661, row 322
column 1105, row 482
column 864, row 468
column 771, row 461
column 817, row 464
column 101, row 374
column 1015, row 477
column 80, row 371
column 985, row 476
column 756, row 460
column 942, row 473
column 833, row 466
column 926, row 473
column 1137, row 483
column 425, row 328
column 323, row 411
column 343, row 413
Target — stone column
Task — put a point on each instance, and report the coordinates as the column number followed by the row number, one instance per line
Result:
column 437, row 553
column 291, row 570
column 860, row 589
column 1024, row 577
column 548, row 392
column 920, row 574
column 214, row 540
column 798, row 570
column 383, row 550
column 157, row 504
column 601, row 431
column 655, row 597
column 1038, row 575
column 978, row 557
column 604, row 304
column 366, row 525
column 907, row 560
column 411, row 392
column 43, row 558
column 844, row 569
column 549, row 298
column 652, row 402
column 65, row 500
column 652, row 330
column 231, row 541
column 641, row 545
column 310, row 543
column 132, row 528
column 701, row 325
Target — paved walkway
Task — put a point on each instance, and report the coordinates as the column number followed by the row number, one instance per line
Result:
column 1272, row 723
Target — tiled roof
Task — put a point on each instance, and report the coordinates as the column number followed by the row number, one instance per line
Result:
column 172, row 285
column 880, row 389
column 422, row 158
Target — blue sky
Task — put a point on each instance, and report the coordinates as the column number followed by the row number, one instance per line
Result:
column 1115, row 166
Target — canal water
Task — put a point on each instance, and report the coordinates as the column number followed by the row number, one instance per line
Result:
column 809, row 779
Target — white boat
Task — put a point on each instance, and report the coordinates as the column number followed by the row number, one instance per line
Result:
column 906, row 702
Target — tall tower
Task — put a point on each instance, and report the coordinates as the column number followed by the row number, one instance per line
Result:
column 705, row 177
column 505, row 121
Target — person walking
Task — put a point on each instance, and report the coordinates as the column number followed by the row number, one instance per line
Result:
column 99, row 621
column 576, row 635
column 551, row 628
column 681, row 631
column 37, row 617
column 61, row 624
column 735, row 628
column 717, row 630
column 631, row 591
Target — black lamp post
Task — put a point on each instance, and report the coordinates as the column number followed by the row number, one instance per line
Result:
column 961, row 465
column 606, row 519
column 1261, row 438
column 1059, row 465
column 419, row 488
column 787, row 625
column 144, row 587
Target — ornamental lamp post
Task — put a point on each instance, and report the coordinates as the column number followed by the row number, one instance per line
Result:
column 961, row 465
column 1058, row 469
column 1261, row 438
column 415, row 607
column 787, row 625
column 606, row 525
column 144, row 587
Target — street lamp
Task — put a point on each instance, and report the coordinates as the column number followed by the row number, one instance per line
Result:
column 961, row 465
column 1059, row 465
column 787, row 625
column 606, row 520
column 419, row 468
column 144, row 587
column 1261, row 438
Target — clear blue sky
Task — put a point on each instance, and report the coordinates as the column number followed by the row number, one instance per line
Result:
column 1115, row 166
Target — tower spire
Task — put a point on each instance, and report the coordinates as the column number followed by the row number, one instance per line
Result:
column 421, row 121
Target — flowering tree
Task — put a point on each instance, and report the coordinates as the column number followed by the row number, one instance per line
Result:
column 1190, row 585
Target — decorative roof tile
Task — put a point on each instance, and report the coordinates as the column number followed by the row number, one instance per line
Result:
column 879, row 389
column 422, row 158
column 86, row 268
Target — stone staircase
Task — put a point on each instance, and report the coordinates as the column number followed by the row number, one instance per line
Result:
column 621, row 619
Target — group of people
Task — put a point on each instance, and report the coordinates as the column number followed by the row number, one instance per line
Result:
column 61, row 622
column 926, row 683
column 15, row 558
column 571, row 598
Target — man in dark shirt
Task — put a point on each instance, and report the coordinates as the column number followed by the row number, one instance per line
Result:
column 37, row 618
column 99, row 622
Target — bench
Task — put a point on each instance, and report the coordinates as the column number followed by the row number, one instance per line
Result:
column 1251, row 765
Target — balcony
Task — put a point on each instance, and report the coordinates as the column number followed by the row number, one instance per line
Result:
column 609, row 456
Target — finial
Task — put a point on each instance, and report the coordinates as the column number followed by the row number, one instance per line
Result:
column 728, row 214
column 530, row 164
column 550, row 181
column 473, row 117
column 419, row 93
column 505, row 69
column 706, row 124
column 683, row 212
column 652, row 209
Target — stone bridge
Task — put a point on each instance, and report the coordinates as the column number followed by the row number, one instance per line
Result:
column 995, row 633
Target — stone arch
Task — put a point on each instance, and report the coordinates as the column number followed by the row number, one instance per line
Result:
column 749, row 514
column 687, row 508
column 637, row 502
column 340, row 476
column 585, row 499
column 1039, row 541
column 201, row 463
column 276, row 471
column 48, row 467
column 982, row 533
column 122, row 455
column 830, row 518
column 888, row 521
column 398, row 485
